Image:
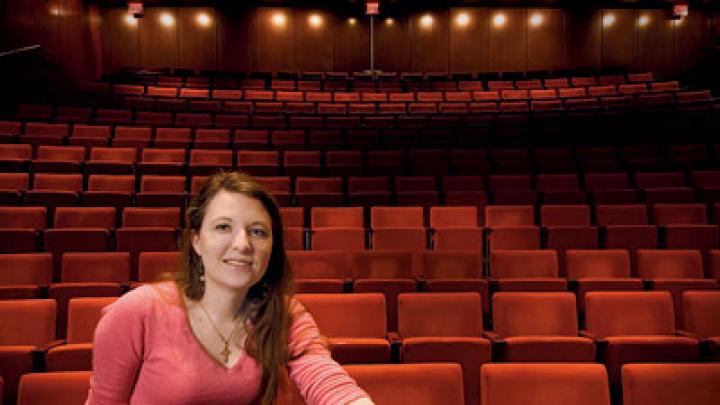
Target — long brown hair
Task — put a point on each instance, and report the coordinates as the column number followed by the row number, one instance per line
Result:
column 267, row 340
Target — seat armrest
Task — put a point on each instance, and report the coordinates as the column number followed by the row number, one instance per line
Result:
column 395, row 343
column 685, row 333
column 39, row 352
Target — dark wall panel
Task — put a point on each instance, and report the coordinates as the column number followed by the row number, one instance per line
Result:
column 429, row 43
column 690, row 35
column 654, row 54
column 508, row 43
column 198, row 42
column 276, row 44
column 619, row 40
column 546, row 48
column 469, row 48
column 351, row 45
column 314, row 43
column 236, row 40
column 392, row 44
column 583, row 38
column 159, row 47
column 121, row 41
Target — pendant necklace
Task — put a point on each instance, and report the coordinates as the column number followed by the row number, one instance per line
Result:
column 225, row 353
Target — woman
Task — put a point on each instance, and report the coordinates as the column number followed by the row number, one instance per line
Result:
column 227, row 330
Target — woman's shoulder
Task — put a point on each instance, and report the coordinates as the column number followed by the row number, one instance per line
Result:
column 141, row 299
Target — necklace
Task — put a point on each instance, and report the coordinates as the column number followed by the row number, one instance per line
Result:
column 225, row 353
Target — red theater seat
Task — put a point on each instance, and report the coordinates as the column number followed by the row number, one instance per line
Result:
column 444, row 327
column 675, row 271
column 319, row 271
column 550, row 334
column 23, row 275
column 354, row 323
column 20, row 227
column 21, row 337
column 337, row 228
column 65, row 388
column 600, row 270
column 523, row 384
column 109, row 190
column 111, row 160
column 667, row 384
column 456, row 228
column 636, row 326
column 82, row 318
column 525, row 270
column 701, row 315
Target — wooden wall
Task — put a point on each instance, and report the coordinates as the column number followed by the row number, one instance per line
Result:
column 70, row 29
column 100, row 40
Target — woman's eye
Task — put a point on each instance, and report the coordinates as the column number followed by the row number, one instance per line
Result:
column 222, row 227
column 259, row 232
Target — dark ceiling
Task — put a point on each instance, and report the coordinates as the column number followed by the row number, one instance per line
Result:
column 412, row 4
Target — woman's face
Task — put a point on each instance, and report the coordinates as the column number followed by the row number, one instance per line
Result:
column 234, row 242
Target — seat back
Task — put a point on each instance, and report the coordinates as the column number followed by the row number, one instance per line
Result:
column 65, row 388
column 451, row 265
column 451, row 217
column 501, row 215
column 23, row 217
column 26, row 268
column 64, row 182
column 396, row 217
column 668, row 384
column 534, row 313
column 582, row 263
column 633, row 214
column 417, row 384
column 27, row 322
column 83, row 316
column 148, row 217
column 522, row 384
column 439, row 314
column 317, row 264
column 523, row 263
column 348, row 315
column 336, row 217
column 669, row 214
column 85, row 217
column 553, row 215
column 112, row 183
column 153, row 265
column 658, row 263
column 380, row 264
column 629, row 313
column 702, row 313
column 106, row 267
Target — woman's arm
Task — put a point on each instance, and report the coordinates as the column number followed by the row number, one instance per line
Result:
column 118, row 351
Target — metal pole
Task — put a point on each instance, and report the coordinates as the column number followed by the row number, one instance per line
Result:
column 372, row 46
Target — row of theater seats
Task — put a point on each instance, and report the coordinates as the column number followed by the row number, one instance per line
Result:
column 389, row 80
column 643, row 384
column 498, row 227
column 63, row 275
column 390, row 272
column 288, row 152
column 620, row 328
column 202, row 113
column 564, row 189
column 469, row 92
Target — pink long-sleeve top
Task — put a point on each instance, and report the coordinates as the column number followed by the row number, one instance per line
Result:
column 145, row 353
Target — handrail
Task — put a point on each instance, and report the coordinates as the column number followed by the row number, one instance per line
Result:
column 31, row 51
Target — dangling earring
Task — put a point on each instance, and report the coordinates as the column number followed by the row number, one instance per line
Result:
column 201, row 277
